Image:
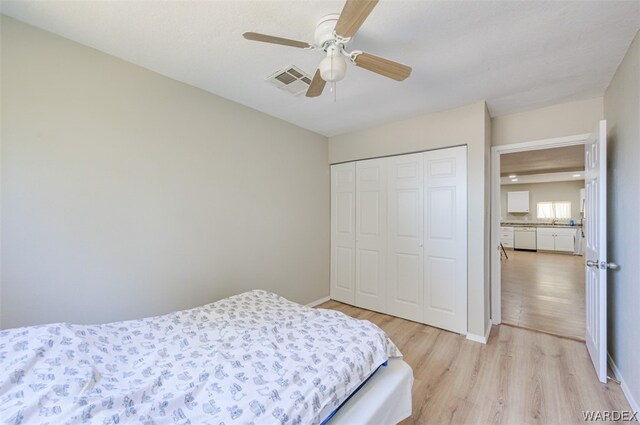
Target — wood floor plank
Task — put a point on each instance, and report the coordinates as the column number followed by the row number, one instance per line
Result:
column 544, row 291
column 518, row 377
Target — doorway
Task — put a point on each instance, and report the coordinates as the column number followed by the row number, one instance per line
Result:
column 538, row 279
column 541, row 216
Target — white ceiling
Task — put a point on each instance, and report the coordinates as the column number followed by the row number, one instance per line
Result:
column 515, row 55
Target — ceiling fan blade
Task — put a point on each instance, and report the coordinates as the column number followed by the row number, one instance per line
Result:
column 317, row 85
column 353, row 15
column 254, row 36
column 382, row 66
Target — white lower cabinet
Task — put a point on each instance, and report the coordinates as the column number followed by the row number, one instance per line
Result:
column 506, row 236
column 399, row 236
column 566, row 241
column 545, row 241
column 556, row 239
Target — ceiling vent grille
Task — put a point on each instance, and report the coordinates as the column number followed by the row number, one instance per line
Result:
column 290, row 79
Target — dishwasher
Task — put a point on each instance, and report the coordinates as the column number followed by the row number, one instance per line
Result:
column 524, row 238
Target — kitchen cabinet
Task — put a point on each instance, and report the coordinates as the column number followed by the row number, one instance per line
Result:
column 545, row 241
column 518, row 202
column 565, row 241
column 506, row 236
column 560, row 239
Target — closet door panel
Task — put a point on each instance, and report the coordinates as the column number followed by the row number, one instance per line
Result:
column 371, row 234
column 405, row 257
column 343, row 232
column 445, row 239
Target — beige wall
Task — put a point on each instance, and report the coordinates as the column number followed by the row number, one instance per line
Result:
column 127, row 194
column 566, row 119
column 461, row 126
column 622, row 112
column 540, row 192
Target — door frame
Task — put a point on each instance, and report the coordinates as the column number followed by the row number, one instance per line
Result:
column 496, row 151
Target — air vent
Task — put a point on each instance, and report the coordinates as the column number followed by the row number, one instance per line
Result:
column 290, row 79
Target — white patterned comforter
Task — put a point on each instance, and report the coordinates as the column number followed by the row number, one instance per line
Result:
column 254, row 358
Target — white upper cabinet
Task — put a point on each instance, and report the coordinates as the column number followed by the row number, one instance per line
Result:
column 518, row 202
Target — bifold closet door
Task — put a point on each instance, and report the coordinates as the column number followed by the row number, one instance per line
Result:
column 445, row 239
column 405, row 292
column 371, row 234
column 343, row 239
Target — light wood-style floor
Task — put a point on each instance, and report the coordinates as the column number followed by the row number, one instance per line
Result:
column 518, row 377
column 544, row 292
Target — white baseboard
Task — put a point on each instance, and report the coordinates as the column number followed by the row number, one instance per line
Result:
column 625, row 389
column 480, row 338
column 318, row 302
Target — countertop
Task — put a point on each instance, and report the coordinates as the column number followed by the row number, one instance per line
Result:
column 536, row 224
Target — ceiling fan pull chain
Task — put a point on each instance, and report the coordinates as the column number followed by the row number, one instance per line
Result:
column 333, row 81
column 332, row 71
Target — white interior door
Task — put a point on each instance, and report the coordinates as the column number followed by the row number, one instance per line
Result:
column 371, row 234
column 445, row 239
column 343, row 232
column 596, row 248
column 405, row 294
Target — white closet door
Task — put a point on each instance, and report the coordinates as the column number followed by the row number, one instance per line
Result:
column 404, row 267
column 371, row 234
column 445, row 239
column 343, row 232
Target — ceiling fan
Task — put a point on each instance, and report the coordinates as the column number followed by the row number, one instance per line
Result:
column 332, row 33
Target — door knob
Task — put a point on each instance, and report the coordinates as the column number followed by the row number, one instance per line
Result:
column 603, row 265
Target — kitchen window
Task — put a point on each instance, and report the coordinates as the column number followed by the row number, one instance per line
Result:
column 554, row 210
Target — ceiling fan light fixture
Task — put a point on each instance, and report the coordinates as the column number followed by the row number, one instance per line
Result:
column 333, row 68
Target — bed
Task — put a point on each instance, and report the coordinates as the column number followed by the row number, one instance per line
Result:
column 254, row 358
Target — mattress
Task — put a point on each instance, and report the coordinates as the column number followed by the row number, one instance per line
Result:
column 384, row 399
column 251, row 358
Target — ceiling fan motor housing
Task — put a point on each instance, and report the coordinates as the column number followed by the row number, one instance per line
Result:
column 324, row 30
